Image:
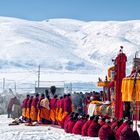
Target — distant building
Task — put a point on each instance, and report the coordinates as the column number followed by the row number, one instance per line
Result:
column 43, row 85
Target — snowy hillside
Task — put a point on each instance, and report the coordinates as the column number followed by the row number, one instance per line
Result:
column 64, row 45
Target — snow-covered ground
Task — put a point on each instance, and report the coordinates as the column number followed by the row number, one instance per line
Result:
column 22, row 132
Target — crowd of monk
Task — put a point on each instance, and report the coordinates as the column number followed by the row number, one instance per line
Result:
column 46, row 110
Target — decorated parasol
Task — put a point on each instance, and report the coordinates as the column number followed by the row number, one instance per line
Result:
column 131, row 89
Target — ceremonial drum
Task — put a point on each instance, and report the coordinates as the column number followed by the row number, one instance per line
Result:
column 109, row 110
column 103, row 110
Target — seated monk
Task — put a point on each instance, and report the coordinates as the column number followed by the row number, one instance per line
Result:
column 127, row 132
column 105, row 132
column 77, row 129
column 118, row 131
column 86, row 126
column 102, row 121
column 94, row 128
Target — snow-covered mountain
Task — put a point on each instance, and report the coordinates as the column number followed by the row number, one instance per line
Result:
column 65, row 45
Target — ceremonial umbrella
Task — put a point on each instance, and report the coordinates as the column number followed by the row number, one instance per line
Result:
column 120, row 73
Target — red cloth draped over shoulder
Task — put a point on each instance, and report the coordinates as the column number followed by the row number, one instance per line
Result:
column 93, row 129
column 24, row 107
column 105, row 132
column 67, row 105
column 118, row 131
column 70, row 126
column 29, row 102
column 85, row 128
column 53, row 102
column 77, row 129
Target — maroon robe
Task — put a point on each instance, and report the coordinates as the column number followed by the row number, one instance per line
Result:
column 66, row 121
column 93, row 129
column 34, row 109
column 70, row 126
column 126, row 133
column 102, row 123
column 77, row 129
column 67, row 104
column 105, row 132
column 114, row 125
column 85, row 127
column 24, row 104
column 118, row 131
column 53, row 102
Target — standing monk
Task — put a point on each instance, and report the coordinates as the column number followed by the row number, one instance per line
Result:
column 39, row 108
column 28, row 110
column 24, row 107
column 67, row 105
column 53, row 102
column 34, row 109
column 45, row 110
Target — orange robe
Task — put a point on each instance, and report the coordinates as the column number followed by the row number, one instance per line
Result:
column 39, row 110
column 53, row 102
column 28, row 110
column 61, row 109
column 34, row 110
column 45, row 109
column 24, row 108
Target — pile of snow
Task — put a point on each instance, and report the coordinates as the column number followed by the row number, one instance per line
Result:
column 64, row 46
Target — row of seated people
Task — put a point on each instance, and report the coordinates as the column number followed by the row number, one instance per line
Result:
column 95, row 126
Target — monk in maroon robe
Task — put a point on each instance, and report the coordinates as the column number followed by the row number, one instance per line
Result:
column 105, row 132
column 77, row 129
column 39, row 108
column 127, row 132
column 28, row 110
column 118, row 131
column 34, row 108
column 102, row 121
column 86, row 126
column 61, row 109
column 71, row 124
column 24, row 107
column 53, row 102
column 94, row 128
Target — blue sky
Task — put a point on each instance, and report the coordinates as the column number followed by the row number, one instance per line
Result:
column 86, row 10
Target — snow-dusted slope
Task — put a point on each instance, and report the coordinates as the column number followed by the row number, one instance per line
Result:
column 65, row 45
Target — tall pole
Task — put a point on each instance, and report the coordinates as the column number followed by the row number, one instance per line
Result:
column 3, row 84
column 15, row 87
column 38, row 76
